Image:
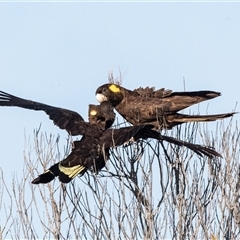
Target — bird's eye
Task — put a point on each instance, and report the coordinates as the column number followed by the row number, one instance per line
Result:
column 104, row 90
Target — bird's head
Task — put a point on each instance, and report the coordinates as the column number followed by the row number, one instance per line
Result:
column 110, row 92
column 101, row 114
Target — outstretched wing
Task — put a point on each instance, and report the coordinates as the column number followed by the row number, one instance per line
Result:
column 63, row 118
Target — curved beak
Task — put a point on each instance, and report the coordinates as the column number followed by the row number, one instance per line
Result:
column 101, row 98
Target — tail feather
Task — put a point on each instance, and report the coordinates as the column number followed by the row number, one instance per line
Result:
column 182, row 100
column 46, row 177
column 198, row 149
column 68, row 173
column 65, row 174
column 201, row 95
column 183, row 118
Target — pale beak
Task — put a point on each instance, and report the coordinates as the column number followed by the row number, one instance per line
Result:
column 101, row 98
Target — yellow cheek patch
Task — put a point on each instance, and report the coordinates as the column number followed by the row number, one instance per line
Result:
column 114, row 88
column 93, row 113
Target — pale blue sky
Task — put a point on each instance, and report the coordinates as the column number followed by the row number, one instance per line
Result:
column 59, row 53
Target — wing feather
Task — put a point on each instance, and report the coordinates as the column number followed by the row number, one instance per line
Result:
column 63, row 118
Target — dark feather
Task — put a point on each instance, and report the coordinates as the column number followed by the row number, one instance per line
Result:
column 87, row 154
column 92, row 151
column 63, row 118
column 157, row 107
column 117, row 137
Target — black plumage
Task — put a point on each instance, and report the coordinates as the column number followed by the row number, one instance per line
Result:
column 157, row 107
column 92, row 151
column 63, row 118
column 86, row 153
